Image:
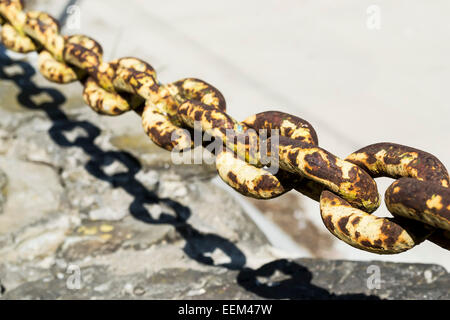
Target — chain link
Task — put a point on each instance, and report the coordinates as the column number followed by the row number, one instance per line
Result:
column 345, row 188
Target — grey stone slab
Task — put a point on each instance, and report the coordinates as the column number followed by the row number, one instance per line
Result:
column 304, row 279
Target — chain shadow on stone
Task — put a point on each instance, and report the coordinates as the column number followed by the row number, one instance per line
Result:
column 198, row 245
column 297, row 285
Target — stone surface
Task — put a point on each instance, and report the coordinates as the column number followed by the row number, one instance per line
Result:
column 3, row 183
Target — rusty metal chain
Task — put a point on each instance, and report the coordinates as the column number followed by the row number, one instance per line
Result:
column 419, row 200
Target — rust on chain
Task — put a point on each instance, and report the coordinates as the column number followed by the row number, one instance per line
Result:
column 89, row 58
column 246, row 179
column 56, row 71
column 104, row 102
column 288, row 125
column 45, row 29
column 419, row 200
column 220, row 125
column 199, row 90
column 60, row 72
column 213, row 121
column 425, row 172
column 395, row 161
column 11, row 10
column 86, row 42
column 139, row 78
column 12, row 34
column 337, row 175
column 412, row 196
column 365, row 231
column 163, row 132
column 294, row 128
column 15, row 41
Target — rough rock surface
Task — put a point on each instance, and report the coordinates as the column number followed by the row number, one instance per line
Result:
column 279, row 279
column 3, row 183
column 94, row 210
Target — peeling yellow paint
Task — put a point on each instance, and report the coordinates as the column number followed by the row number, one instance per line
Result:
column 435, row 202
